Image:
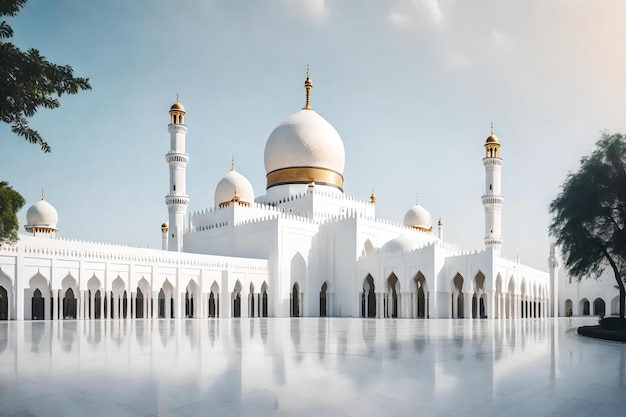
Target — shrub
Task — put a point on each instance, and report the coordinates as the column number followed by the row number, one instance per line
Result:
column 613, row 323
column 600, row 333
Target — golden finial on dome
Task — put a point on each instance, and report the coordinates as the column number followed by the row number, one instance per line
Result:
column 440, row 222
column 165, row 227
column 417, row 199
column 308, row 85
column 42, row 193
column 232, row 163
column 372, row 198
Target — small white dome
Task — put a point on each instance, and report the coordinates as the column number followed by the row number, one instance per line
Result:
column 417, row 217
column 399, row 244
column 231, row 183
column 42, row 214
column 305, row 139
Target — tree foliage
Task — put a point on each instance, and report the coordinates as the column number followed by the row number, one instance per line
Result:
column 28, row 81
column 10, row 203
column 589, row 215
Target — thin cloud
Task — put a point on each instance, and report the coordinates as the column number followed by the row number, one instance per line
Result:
column 406, row 13
column 315, row 10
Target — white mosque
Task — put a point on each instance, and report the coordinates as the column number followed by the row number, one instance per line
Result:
column 305, row 248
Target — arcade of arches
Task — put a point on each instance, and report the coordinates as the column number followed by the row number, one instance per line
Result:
column 466, row 301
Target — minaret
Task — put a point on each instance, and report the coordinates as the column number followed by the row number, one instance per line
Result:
column 492, row 199
column 177, row 199
column 165, row 228
column 553, row 264
column 440, row 229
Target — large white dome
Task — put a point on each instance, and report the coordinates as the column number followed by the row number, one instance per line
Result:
column 399, row 244
column 418, row 218
column 305, row 139
column 231, row 183
column 42, row 214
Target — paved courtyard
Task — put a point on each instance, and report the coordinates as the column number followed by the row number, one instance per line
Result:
column 309, row 367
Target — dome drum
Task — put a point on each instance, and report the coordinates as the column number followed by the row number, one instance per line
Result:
column 305, row 175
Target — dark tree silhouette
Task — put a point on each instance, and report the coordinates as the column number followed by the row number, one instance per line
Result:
column 28, row 81
column 590, row 214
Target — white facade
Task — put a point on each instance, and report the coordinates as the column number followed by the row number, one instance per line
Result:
column 303, row 249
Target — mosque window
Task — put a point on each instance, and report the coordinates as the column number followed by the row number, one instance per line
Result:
column 174, row 187
column 490, row 187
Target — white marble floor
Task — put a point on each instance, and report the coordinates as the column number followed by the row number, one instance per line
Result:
column 309, row 367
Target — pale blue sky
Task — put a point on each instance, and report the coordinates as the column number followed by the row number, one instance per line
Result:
column 410, row 85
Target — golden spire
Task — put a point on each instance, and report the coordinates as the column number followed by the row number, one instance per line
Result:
column 308, row 84
column 232, row 163
column 492, row 128
column 42, row 192
column 440, row 222
column 177, row 98
column 417, row 199
column 372, row 198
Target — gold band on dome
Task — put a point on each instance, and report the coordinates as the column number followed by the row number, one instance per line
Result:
column 305, row 175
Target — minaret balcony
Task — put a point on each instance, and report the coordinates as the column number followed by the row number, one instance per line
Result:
column 176, row 157
column 177, row 200
column 492, row 199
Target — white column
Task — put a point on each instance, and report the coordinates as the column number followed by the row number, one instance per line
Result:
column 379, row 304
column 467, row 306
column 301, row 303
column 133, row 306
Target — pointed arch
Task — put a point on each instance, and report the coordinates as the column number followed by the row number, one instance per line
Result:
column 599, row 307
column 615, row 305
column 458, row 304
column 298, row 269
column 368, row 248
column 478, row 297
column 69, row 282
column 38, row 281
column 569, row 308
column 421, row 296
column 368, row 297
column 391, row 300
column 583, row 307
column 6, row 290
column 93, row 284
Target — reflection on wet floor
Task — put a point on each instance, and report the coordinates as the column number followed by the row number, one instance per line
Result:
column 308, row 366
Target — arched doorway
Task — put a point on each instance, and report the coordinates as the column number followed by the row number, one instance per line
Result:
column 615, row 305
column 139, row 304
column 69, row 304
column 38, row 305
column 214, row 300
column 391, row 307
column 457, row 297
column 295, row 300
column 161, row 309
column 569, row 308
column 421, row 288
column 212, row 305
column 583, row 307
column 599, row 307
column 368, row 298
column 97, row 304
column 478, row 300
column 189, row 304
column 323, row 312
column 4, row 304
